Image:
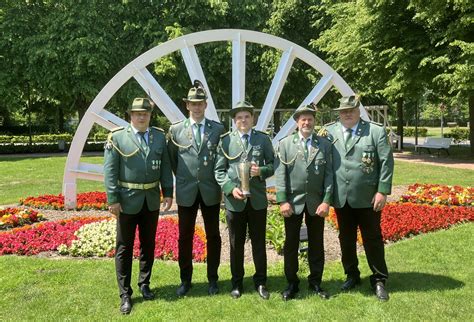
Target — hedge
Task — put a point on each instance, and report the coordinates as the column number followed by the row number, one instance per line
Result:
column 458, row 135
column 46, row 147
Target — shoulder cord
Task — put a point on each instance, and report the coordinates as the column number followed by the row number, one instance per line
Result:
column 228, row 156
column 179, row 145
column 289, row 162
column 121, row 153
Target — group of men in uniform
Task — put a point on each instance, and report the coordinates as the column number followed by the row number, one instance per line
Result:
column 348, row 165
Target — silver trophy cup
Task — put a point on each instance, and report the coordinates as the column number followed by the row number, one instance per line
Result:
column 244, row 175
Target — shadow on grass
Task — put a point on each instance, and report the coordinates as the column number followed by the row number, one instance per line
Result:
column 275, row 285
column 401, row 282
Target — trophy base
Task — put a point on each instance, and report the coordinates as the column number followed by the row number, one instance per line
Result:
column 246, row 194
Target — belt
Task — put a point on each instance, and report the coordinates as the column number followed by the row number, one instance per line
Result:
column 138, row 186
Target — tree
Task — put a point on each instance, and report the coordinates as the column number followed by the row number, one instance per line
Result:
column 377, row 46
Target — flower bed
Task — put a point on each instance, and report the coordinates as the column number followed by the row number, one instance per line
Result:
column 435, row 194
column 15, row 217
column 93, row 236
column 401, row 220
column 85, row 201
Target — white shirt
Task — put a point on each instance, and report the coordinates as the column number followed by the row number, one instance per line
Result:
column 203, row 122
column 354, row 129
column 138, row 136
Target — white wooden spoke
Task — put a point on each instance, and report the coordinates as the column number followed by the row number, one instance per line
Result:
column 191, row 60
column 281, row 74
column 238, row 70
column 96, row 113
column 158, row 95
column 108, row 120
column 286, row 129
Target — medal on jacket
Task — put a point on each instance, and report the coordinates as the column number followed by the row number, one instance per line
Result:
column 367, row 162
column 155, row 164
column 205, row 161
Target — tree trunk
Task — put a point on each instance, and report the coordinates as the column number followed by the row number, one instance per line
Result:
column 60, row 119
column 81, row 107
column 471, row 121
column 400, row 120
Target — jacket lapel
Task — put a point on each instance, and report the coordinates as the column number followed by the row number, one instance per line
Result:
column 188, row 132
column 314, row 149
column 207, row 133
column 360, row 130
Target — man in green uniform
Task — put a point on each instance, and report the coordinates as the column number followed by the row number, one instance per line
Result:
column 192, row 147
column 303, row 182
column 136, row 165
column 245, row 145
column 363, row 171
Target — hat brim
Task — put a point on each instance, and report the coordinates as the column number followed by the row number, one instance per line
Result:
column 139, row 110
column 194, row 99
column 297, row 114
column 343, row 108
column 236, row 110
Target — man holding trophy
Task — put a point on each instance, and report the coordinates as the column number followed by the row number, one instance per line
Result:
column 245, row 159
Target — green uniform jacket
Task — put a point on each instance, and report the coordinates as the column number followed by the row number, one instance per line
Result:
column 125, row 160
column 365, row 168
column 193, row 166
column 230, row 151
column 304, row 182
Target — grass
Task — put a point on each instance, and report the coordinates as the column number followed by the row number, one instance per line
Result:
column 409, row 173
column 430, row 280
column 32, row 176
column 436, row 131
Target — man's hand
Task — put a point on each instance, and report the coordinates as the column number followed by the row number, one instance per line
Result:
column 167, row 201
column 115, row 209
column 379, row 201
column 285, row 209
column 238, row 194
column 254, row 170
column 323, row 210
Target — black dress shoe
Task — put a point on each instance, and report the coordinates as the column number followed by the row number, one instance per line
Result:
column 316, row 289
column 290, row 292
column 263, row 292
column 126, row 304
column 183, row 289
column 147, row 293
column 213, row 288
column 236, row 292
column 380, row 291
column 350, row 283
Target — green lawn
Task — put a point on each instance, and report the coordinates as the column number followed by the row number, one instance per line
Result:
column 22, row 177
column 32, row 176
column 431, row 279
column 409, row 173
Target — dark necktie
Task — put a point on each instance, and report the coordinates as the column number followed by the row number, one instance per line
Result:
column 197, row 137
column 347, row 138
column 245, row 138
column 143, row 143
column 306, row 151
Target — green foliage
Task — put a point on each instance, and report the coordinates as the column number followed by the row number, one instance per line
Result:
column 410, row 131
column 458, row 135
column 275, row 233
column 94, row 239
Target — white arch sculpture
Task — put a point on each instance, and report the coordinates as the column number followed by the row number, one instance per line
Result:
column 96, row 113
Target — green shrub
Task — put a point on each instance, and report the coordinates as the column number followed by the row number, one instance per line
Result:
column 275, row 233
column 458, row 135
column 410, row 131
